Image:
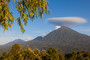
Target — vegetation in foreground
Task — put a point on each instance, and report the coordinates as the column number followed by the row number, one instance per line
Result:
column 17, row 53
column 28, row 9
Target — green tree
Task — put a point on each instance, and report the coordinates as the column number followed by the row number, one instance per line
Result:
column 44, row 55
column 87, row 58
column 61, row 55
column 80, row 56
column 30, row 55
column 53, row 53
column 83, row 55
column 73, row 55
column 6, row 17
column 4, row 56
column 26, row 8
column 37, row 51
column 15, row 52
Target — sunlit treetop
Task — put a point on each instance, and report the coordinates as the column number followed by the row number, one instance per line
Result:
column 26, row 8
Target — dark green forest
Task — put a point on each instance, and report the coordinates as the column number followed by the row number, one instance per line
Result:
column 18, row 53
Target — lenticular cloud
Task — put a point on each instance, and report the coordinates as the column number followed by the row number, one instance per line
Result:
column 67, row 21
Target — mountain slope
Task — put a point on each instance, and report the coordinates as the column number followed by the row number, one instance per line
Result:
column 19, row 41
column 63, row 38
column 7, row 47
column 38, row 38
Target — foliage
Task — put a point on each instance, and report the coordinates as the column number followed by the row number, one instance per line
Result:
column 17, row 53
column 26, row 8
column 6, row 18
column 61, row 55
column 53, row 53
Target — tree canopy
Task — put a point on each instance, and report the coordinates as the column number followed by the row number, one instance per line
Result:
column 28, row 9
column 18, row 53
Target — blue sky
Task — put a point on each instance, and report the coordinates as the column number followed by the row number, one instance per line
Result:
column 37, row 27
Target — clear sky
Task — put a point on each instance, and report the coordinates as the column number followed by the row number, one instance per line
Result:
column 38, row 27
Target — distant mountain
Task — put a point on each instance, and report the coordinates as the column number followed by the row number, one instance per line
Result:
column 6, row 47
column 19, row 41
column 63, row 38
column 38, row 38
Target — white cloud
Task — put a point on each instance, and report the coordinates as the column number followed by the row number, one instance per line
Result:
column 44, row 35
column 27, row 38
column 67, row 21
column 57, row 27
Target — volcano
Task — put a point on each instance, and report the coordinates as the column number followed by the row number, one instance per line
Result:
column 64, row 38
